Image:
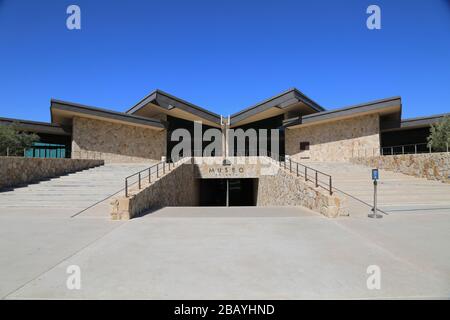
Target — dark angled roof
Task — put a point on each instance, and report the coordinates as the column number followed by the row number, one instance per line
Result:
column 281, row 101
column 75, row 108
column 354, row 110
column 35, row 126
column 168, row 102
column 422, row 121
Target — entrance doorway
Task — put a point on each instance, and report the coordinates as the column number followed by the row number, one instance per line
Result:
column 241, row 192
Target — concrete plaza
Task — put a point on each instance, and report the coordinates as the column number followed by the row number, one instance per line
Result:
column 223, row 253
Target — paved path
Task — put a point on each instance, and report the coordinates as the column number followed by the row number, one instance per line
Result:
column 397, row 192
column 224, row 253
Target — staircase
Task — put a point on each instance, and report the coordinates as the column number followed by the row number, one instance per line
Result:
column 397, row 192
column 75, row 191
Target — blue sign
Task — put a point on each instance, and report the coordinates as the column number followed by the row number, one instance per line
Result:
column 375, row 175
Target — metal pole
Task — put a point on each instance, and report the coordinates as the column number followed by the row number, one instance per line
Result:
column 290, row 165
column 375, row 202
column 375, row 209
column 139, row 180
column 149, row 174
column 331, row 187
column 228, row 195
column 415, row 149
column 297, row 169
column 403, row 149
column 317, row 184
column 126, row 187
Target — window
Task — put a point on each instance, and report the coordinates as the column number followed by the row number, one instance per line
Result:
column 304, row 145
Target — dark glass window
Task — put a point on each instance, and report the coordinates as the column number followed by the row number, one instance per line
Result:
column 304, row 146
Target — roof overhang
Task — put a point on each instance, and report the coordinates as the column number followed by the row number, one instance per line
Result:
column 422, row 122
column 62, row 113
column 36, row 127
column 291, row 100
column 389, row 106
column 159, row 102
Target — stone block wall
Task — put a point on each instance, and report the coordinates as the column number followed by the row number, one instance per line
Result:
column 286, row 189
column 176, row 188
column 276, row 187
column 432, row 166
column 336, row 140
column 17, row 171
column 115, row 142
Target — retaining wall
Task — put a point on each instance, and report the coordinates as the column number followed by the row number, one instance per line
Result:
column 433, row 166
column 176, row 188
column 17, row 171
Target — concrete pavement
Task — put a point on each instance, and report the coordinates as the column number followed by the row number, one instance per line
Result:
column 224, row 253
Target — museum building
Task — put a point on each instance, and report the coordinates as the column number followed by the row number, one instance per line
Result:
column 307, row 130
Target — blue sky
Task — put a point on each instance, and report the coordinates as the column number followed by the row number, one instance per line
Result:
column 223, row 55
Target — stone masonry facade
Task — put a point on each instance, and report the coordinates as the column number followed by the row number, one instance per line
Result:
column 336, row 140
column 286, row 189
column 115, row 142
column 177, row 187
column 17, row 171
column 432, row 166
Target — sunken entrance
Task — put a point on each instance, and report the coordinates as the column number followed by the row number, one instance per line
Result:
column 228, row 192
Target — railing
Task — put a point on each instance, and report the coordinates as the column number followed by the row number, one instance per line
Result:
column 408, row 149
column 305, row 172
column 158, row 169
column 87, row 154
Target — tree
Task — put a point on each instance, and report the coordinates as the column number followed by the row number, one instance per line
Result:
column 13, row 141
column 439, row 137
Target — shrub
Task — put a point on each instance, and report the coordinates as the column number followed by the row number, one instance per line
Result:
column 13, row 141
column 439, row 137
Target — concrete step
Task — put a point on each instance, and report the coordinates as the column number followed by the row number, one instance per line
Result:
column 396, row 191
column 75, row 191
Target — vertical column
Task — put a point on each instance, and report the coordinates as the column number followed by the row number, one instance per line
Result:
column 225, row 125
column 228, row 193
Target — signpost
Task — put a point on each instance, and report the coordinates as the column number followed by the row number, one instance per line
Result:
column 375, row 177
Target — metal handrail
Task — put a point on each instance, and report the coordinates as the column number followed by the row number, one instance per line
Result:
column 403, row 147
column 304, row 172
column 170, row 165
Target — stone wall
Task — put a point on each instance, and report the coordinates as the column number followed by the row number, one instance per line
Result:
column 114, row 142
column 433, row 166
column 286, row 189
column 276, row 187
column 336, row 140
column 238, row 167
column 176, row 188
column 17, row 171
